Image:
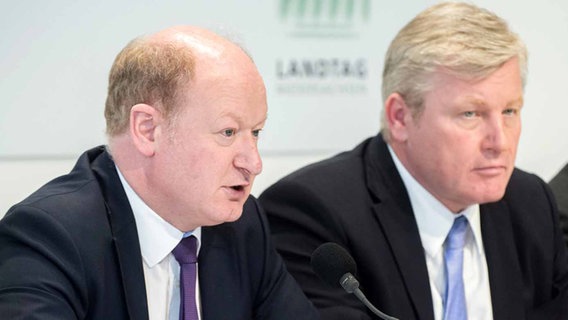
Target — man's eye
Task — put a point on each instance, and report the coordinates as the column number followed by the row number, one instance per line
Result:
column 229, row 132
column 469, row 114
column 510, row 112
column 256, row 132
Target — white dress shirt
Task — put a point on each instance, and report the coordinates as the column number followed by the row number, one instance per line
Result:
column 161, row 270
column 434, row 223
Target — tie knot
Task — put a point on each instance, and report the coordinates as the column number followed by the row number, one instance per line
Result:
column 456, row 236
column 186, row 250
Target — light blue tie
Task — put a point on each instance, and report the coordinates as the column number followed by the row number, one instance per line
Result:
column 454, row 300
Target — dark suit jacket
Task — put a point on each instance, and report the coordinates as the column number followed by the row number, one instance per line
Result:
column 358, row 200
column 559, row 186
column 71, row 251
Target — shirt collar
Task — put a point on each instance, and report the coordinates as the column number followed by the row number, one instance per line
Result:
column 157, row 237
column 434, row 220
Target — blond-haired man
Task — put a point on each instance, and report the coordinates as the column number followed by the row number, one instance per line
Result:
column 440, row 223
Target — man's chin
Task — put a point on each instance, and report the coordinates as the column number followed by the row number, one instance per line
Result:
column 492, row 197
column 234, row 214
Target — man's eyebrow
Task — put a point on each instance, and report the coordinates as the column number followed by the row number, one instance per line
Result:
column 480, row 102
column 262, row 121
column 517, row 102
column 230, row 114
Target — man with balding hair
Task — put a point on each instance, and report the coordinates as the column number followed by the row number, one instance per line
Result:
column 160, row 223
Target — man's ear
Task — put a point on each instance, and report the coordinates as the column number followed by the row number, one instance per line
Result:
column 398, row 115
column 144, row 128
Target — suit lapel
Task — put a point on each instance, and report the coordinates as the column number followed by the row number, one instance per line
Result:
column 125, row 236
column 220, row 279
column 402, row 234
column 394, row 212
column 502, row 261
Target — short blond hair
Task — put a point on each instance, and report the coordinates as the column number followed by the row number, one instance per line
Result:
column 467, row 41
column 150, row 72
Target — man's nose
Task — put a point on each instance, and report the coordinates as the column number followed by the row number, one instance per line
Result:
column 248, row 157
column 495, row 139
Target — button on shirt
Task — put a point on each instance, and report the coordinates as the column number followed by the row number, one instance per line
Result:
column 161, row 270
column 434, row 223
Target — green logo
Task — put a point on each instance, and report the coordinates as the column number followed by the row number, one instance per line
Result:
column 328, row 11
column 324, row 18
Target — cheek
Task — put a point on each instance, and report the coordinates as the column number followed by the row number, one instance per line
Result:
column 451, row 153
column 189, row 167
column 210, row 166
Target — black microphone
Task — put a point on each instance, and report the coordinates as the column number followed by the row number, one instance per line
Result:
column 335, row 266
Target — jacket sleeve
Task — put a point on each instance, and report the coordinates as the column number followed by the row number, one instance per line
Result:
column 557, row 306
column 300, row 221
column 279, row 296
column 40, row 268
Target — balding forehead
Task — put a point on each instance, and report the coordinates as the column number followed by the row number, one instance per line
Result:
column 199, row 40
column 201, row 45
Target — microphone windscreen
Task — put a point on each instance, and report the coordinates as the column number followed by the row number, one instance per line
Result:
column 330, row 262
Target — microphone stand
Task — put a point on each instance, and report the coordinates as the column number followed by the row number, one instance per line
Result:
column 359, row 294
column 351, row 285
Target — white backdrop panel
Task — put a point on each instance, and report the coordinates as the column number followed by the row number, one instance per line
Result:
column 321, row 63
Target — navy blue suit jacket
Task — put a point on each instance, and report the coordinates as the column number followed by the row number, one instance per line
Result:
column 559, row 186
column 71, row 251
column 358, row 200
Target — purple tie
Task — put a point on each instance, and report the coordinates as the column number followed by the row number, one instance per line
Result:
column 186, row 254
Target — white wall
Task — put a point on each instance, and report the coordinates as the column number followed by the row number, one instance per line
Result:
column 55, row 57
